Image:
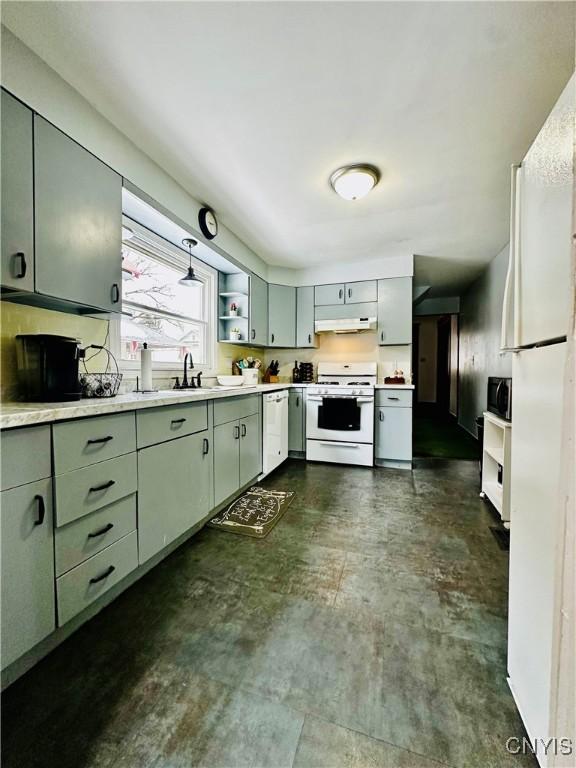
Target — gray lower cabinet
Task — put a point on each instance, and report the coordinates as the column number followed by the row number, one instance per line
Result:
column 17, row 181
column 305, row 334
column 78, row 222
column 296, row 421
column 281, row 316
column 258, row 333
column 237, row 455
column 27, row 569
column 329, row 294
column 174, row 490
column 250, row 449
column 395, row 311
column 393, row 434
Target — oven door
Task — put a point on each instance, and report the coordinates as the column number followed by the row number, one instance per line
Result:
column 340, row 417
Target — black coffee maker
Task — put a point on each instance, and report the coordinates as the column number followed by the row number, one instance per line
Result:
column 48, row 367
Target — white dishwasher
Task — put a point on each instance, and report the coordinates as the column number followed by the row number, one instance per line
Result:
column 275, row 430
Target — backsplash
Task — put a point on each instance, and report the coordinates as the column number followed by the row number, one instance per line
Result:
column 19, row 318
column 345, row 348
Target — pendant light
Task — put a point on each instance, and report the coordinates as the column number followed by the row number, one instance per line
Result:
column 190, row 280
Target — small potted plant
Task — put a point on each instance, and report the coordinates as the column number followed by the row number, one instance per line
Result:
column 235, row 334
column 233, row 309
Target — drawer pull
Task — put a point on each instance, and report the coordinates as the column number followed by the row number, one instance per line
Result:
column 101, row 531
column 41, row 510
column 205, row 446
column 98, row 440
column 103, row 576
column 102, row 487
column 393, row 398
column 177, row 421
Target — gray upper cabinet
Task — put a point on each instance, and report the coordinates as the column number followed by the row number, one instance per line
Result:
column 395, row 311
column 305, row 336
column 28, row 605
column 174, row 490
column 17, row 195
column 258, row 311
column 361, row 292
column 296, row 420
column 281, row 316
column 329, row 294
column 78, row 219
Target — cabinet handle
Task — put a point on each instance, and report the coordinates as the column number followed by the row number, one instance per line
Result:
column 205, row 446
column 21, row 257
column 97, row 440
column 102, row 487
column 381, row 416
column 382, row 336
column 297, row 401
column 393, row 398
column 243, row 430
column 101, row 531
column 236, row 433
column 272, row 338
column 115, row 293
column 253, row 333
column 41, row 510
column 340, row 293
column 104, row 575
column 177, row 421
column 349, row 293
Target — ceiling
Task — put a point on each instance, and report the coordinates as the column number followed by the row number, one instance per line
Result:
column 251, row 106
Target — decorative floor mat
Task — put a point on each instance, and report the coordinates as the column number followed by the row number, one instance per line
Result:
column 255, row 513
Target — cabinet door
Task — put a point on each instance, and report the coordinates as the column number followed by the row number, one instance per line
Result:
column 258, row 310
column 395, row 311
column 364, row 290
column 296, row 420
column 17, row 195
column 173, row 491
column 78, row 219
column 250, row 449
column 305, row 335
column 394, row 433
column 329, row 294
column 281, row 316
column 28, row 610
column 226, row 460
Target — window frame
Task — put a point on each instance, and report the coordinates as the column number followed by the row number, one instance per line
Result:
column 172, row 256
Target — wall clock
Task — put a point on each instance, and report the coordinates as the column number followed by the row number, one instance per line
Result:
column 208, row 223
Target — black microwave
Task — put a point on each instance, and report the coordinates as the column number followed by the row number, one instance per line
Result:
column 500, row 397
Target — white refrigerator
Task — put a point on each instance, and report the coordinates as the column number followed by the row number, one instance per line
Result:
column 536, row 326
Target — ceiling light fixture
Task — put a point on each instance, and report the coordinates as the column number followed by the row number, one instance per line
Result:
column 355, row 181
column 190, row 280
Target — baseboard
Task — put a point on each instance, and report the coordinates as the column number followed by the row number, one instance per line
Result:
column 297, row 454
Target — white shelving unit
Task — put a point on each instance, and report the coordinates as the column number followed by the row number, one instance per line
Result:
column 496, row 464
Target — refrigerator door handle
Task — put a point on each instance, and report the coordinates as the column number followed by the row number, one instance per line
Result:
column 511, row 275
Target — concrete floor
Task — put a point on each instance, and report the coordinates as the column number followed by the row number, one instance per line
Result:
column 368, row 629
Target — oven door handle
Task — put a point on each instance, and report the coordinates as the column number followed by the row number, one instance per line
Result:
column 319, row 398
column 341, row 444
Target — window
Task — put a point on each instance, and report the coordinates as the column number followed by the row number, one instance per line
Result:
column 172, row 319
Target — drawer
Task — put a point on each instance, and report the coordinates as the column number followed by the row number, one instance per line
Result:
column 233, row 408
column 26, row 455
column 160, row 424
column 394, row 398
column 86, row 441
column 83, row 538
column 87, row 582
column 340, row 453
column 85, row 490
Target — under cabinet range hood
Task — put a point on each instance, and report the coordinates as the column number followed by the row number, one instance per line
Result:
column 348, row 325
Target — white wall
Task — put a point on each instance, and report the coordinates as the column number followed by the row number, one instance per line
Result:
column 480, row 324
column 454, row 320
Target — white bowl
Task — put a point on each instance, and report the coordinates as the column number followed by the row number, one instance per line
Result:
column 230, row 381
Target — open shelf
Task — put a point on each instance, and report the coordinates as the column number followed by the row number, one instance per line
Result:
column 232, row 294
column 232, row 317
column 496, row 463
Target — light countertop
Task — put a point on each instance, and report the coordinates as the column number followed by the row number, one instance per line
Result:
column 27, row 414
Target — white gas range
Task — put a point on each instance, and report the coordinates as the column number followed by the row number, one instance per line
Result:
column 340, row 414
